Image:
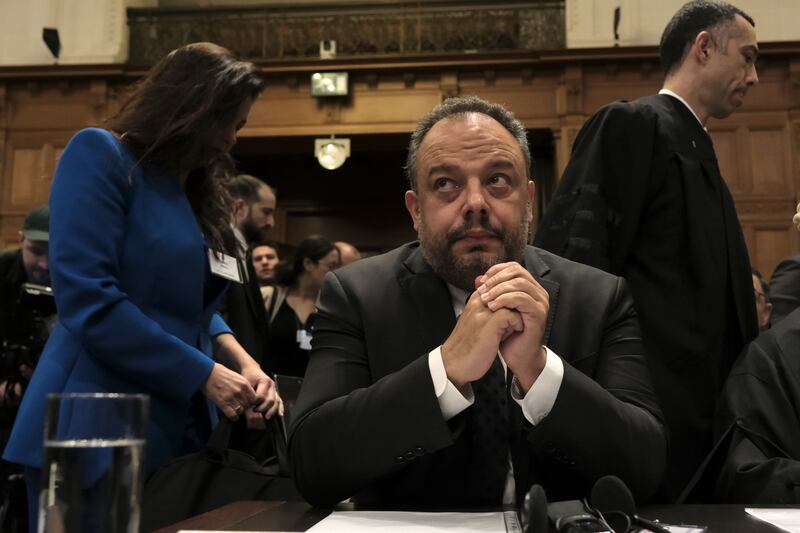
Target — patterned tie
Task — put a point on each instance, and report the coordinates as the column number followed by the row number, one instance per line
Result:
column 490, row 436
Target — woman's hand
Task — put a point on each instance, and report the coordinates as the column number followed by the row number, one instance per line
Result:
column 229, row 391
column 268, row 402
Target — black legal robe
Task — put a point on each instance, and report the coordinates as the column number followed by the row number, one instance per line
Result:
column 784, row 288
column 642, row 197
column 759, row 421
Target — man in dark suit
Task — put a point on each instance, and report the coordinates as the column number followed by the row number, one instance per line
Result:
column 540, row 379
column 244, row 312
column 642, row 197
column 254, row 214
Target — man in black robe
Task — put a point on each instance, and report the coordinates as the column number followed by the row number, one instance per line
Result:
column 642, row 197
column 784, row 288
column 759, row 421
column 243, row 310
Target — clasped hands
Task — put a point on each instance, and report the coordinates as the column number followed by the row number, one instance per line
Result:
column 249, row 391
column 506, row 313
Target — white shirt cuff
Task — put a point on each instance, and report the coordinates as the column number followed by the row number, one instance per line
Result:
column 539, row 400
column 451, row 401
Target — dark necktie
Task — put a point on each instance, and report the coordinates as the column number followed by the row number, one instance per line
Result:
column 490, row 436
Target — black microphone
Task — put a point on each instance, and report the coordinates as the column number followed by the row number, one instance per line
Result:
column 614, row 500
column 534, row 511
column 574, row 516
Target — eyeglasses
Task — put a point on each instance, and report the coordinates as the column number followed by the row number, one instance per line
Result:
column 759, row 294
column 329, row 266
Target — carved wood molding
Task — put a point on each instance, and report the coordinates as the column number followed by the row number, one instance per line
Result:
column 764, row 208
column 359, row 30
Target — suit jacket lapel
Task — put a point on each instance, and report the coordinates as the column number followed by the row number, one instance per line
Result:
column 536, row 266
column 430, row 298
column 253, row 293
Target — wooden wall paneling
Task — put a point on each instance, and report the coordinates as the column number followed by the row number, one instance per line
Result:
column 10, row 226
column 769, row 243
column 612, row 81
column 389, row 111
column 770, row 160
column 97, row 102
column 52, row 105
column 600, row 95
column 758, row 146
column 569, row 108
column 30, row 162
column 563, row 139
column 7, row 234
column 281, row 112
column 726, row 146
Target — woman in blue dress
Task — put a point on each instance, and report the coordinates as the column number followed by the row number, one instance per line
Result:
column 137, row 210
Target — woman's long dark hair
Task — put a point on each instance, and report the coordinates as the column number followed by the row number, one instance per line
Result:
column 173, row 113
column 313, row 247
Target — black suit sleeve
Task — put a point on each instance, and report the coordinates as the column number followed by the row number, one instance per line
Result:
column 369, row 430
column 608, row 423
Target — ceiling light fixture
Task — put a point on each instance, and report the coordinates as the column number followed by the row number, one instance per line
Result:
column 331, row 153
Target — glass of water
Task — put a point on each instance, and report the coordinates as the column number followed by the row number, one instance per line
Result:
column 93, row 457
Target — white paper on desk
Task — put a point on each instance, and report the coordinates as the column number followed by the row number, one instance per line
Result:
column 786, row 519
column 407, row 522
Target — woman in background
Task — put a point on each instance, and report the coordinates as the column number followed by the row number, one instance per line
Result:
column 137, row 211
column 297, row 287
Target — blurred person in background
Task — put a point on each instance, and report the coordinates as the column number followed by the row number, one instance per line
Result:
column 26, row 309
column 763, row 301
column 27, row 315
column 784, row 286
column 253, row 216
column 265, row 258
column 298, row 283
column 348, row 252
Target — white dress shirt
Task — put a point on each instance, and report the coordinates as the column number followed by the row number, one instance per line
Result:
column 684, row 102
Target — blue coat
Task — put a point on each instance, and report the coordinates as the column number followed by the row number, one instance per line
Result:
column 134, row 294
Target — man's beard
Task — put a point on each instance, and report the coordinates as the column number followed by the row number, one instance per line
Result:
column 462, row 271
column 251, row 232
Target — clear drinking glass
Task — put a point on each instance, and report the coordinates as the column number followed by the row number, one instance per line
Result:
column 93, row 457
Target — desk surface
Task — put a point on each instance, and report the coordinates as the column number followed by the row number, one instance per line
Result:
column 291, row 516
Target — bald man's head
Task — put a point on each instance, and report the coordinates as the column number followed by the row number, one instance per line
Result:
column 348, row 252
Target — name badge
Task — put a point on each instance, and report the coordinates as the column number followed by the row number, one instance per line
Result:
column 225, row 266
column 304, row 339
